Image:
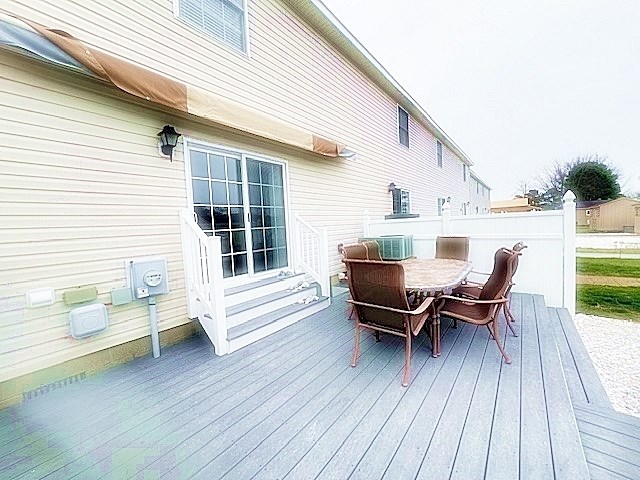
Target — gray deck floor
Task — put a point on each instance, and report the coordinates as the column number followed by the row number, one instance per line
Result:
column 290, row 406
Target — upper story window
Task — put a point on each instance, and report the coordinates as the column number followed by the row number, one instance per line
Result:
column 401, row 201
column 224, row 19
column 439, row 152
column 464, row 172
column 441, row 202
column 403, row 126
column 478, row 188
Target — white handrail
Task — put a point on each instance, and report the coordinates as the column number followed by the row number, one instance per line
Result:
column 311, row 252
column 203, row 280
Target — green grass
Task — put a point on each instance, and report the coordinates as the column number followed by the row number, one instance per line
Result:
column 612, row 251
column 583, row 229
column 612, row 302
column 609, row 267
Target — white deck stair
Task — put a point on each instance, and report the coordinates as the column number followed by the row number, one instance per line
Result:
column 235, row 317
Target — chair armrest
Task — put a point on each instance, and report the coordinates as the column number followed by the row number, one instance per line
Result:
column 473, row 301
column 480, row 273
column 420, row 310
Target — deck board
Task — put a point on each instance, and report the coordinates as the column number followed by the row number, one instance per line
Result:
column 290, row 406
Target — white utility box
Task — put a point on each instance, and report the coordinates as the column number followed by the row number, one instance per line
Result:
column 88, row 320
column 148, row 276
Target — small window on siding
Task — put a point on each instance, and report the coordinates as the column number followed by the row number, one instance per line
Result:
column 587, row 213
column 403, row 126
column 478, row 188
column 401, row 201
column 440, row 204
column 464, row 172
column 223, row 19
column 439, row 152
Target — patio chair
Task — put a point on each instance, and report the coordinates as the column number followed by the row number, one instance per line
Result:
column 456, row 248
column 367, row 250
column 381, row 305
column 472, row 289
column 484, row 310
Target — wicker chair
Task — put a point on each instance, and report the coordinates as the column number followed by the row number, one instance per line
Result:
column 456, row 248
column 472, row 289
column 380, row 302
column 484, row 309
column 368, row 250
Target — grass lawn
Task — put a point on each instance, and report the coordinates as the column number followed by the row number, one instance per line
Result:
column 609, row 267
column 612, row 251
column 606, row 301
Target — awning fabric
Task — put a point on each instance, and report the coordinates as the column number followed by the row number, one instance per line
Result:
column 59, row 47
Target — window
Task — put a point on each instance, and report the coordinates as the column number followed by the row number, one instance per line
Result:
column 477, row 188
column 224, row 19
column 587, row 213
column 401, row 201
column 464, row 172
column 441, row 202
column 403, row 127
column 439, row 152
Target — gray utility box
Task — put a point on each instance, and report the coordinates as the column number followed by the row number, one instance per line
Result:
column 148, row 276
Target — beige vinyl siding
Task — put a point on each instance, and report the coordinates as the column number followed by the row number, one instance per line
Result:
column 83, row 187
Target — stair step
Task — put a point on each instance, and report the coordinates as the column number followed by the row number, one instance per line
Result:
column 272, row 317
column 244, row 293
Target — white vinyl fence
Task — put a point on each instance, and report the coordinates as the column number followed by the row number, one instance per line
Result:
column 547, row 266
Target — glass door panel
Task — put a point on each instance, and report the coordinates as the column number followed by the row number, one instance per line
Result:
column 267, row 213
column 218, row 203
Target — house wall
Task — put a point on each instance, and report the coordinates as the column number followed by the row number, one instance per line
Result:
column 479, row 196
column 83, row 187
column 582, row 219
column 616, row 215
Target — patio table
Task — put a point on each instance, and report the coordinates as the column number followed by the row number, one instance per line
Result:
column 434, row 277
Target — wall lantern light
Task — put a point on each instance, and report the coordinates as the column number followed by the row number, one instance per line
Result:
column 391, row 187
column 168, row 140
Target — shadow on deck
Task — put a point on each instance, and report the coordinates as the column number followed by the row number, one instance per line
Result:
column 290, row 406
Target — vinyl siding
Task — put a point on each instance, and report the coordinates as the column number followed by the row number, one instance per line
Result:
column 82, row 186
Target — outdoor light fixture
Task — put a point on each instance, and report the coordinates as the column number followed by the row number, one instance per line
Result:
column 391, row 187
column 168, row 140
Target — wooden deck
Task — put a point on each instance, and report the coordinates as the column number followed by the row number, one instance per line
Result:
column 289, row 406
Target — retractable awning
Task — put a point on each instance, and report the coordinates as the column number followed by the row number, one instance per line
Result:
column 59, row 47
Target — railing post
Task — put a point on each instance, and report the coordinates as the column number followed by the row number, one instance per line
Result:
column 216, row 292
column 366, row 224
column 324, row 264
column 569, row 253
column 297, row 243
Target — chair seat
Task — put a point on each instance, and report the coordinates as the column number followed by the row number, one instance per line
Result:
column 476, row 313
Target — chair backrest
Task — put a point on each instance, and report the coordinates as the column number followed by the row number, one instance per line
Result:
column 515, row 260
column 500, row 278
column 518, row 247
column 354, row 251
column 378, row 284
column 373, row 250
column 456, row 248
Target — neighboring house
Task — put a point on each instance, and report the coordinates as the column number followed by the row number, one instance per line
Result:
column 479, row 196
column 619, row 215
column 520, row 204
column 272, row 98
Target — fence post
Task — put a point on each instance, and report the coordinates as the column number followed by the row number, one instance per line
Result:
column 366, row 224
column 569, row 253
column 325, row 283
column 446, row 217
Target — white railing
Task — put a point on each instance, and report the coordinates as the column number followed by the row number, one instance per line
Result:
column 311, row 252
column 548, row 266
column 203, row 281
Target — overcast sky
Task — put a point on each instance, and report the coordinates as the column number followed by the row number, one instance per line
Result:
column 516, row 84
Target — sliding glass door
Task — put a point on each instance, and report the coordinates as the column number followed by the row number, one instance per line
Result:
column 241, row 199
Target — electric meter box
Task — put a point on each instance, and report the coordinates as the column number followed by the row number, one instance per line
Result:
column 148, row 276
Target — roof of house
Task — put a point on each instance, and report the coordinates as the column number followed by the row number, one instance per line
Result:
column 597, row 203
column 479, row 180
column 514, row 204
column 327, row 24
